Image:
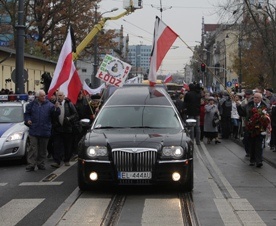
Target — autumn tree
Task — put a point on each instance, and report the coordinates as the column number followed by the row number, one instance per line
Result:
column 47, row 23
column 257, row 30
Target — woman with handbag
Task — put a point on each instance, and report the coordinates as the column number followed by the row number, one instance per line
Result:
column 211, row 121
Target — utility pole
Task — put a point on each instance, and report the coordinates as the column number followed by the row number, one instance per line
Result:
column 240, row 63
column 20, row 34
column 161, row 8
column 94, row 81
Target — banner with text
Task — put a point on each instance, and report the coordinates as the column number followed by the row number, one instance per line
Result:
column 113, row 71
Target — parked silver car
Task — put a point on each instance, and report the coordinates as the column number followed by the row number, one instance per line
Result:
column 14, row 141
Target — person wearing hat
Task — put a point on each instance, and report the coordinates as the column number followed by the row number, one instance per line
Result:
column 210, row 132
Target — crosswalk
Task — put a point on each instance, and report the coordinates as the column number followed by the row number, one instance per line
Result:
column 16, row 209
column 89, row 209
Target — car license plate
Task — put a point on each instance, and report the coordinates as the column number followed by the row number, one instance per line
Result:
column 134, row 175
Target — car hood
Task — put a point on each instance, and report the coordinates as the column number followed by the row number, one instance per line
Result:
column 150, row 138
column 8, row 128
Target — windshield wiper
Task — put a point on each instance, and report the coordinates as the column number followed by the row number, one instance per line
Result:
column 147, row 127
column 108, row 127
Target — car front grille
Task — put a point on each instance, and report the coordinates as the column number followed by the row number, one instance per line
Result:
column 134, row 159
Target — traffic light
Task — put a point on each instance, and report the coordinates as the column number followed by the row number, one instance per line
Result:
column 203, row 66
column 236, row 87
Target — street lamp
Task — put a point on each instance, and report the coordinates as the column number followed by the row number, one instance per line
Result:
column 240, row 59
column 20, row 33
column 95, row 83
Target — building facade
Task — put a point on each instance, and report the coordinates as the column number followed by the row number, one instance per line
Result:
column 139, row 58
column 34, row 66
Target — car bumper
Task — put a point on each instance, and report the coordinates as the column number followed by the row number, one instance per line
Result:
column 12, row 149
column 161, row 172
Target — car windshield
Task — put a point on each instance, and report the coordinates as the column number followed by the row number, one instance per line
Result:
column 138, row 117
column 11, row 114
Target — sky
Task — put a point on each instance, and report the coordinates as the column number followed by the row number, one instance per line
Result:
column 182, row 16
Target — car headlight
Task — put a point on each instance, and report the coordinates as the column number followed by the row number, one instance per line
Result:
column 96, row 151
column 15, row 136
column 172, row 152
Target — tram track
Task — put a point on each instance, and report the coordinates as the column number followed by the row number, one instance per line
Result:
column 113, row 211
column 188, row 209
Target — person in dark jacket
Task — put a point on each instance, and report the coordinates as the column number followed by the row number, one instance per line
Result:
column 38, row 117
column 225, row 108
column 256, row 137
column 63, row 136
column 85, row 111
column 192, row 101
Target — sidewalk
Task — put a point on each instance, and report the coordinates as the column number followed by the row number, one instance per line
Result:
column 268, row 155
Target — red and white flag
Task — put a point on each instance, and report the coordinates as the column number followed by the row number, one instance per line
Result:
column 88, row 90
column 168, row 79
column 186, row 86
column 163, row 39
column 66, row 78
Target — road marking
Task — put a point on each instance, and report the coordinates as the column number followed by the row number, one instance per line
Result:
column 86, row 211
column 15, row 210
column 235, row 210
column 63, row 208
column 3, row 184
column 54, row 175
column 41, row 183
column 154, row 213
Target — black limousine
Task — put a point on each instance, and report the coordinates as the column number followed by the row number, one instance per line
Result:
column 137, row 138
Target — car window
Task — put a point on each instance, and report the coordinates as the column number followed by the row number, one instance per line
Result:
column 138, row 116
column 11, row 114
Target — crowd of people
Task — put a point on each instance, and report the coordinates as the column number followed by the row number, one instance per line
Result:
column 54, row 127
column 249, row 116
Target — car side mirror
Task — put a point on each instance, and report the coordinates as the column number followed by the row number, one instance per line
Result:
column 85, row 122
column 190, row 122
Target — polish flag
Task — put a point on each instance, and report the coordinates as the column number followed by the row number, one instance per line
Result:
column 163, row 39
column 66, row 78
column 168, row 79
column 186, row 86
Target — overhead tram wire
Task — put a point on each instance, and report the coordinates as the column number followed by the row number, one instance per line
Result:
column 147, row 39
column 161, row 8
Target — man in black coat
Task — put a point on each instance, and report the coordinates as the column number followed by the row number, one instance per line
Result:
column 192, row 104
column 256, row 137
column 225, row 108
column 63, row 137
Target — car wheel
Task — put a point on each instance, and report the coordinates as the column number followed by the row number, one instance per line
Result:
column 81, row 181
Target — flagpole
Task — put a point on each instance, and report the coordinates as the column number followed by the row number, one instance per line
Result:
column 198, row 57
column 88, row 102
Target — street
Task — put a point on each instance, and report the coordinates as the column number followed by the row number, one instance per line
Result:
column 227, row 191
